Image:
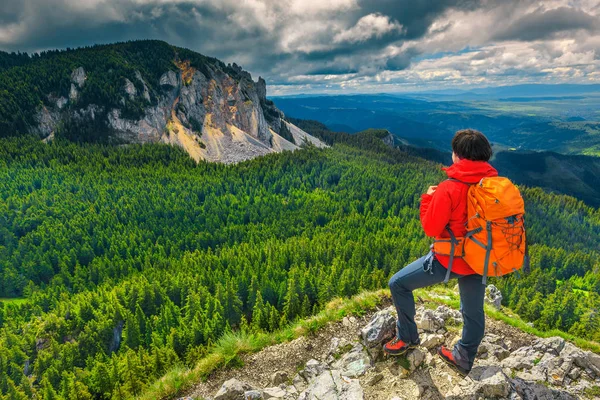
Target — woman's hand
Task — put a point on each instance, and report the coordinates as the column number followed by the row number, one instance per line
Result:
column 431, row 190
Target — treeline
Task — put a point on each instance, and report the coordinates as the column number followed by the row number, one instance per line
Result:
column 9, row 60
column 134, row 259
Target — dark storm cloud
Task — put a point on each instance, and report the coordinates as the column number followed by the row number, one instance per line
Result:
column 542, row 24
column 333, row 70
column 302, row 41
column 53, row 24
column 402, row 60
column 201, row 25
column 11, row 11
column 417, row 15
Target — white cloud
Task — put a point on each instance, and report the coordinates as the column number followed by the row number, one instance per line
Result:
column 369, row 26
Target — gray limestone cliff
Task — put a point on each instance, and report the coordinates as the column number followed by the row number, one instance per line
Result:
column 216, row 114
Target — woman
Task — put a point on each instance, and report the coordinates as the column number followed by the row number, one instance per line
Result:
column 443, row 208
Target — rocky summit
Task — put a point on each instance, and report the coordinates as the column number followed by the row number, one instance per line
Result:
column 346, row 362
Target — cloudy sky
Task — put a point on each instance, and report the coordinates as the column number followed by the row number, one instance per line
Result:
column 307, row 46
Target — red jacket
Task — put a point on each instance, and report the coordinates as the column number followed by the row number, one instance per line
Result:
column 448, row 206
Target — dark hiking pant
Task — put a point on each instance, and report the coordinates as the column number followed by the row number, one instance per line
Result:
column 427, row 271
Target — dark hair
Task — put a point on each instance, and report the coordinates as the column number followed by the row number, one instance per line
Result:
column 472, row 145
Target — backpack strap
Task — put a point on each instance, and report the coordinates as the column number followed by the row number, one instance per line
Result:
column 453, row 243
column 488, row 251
column 487, row 247
column 526, row 260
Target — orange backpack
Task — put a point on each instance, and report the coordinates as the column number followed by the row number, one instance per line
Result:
column 495, row 242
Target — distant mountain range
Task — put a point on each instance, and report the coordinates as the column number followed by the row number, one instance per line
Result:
column 494, row 92
column 564, row 124
column 527, row 90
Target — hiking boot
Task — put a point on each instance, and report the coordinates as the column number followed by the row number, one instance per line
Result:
column 397, row 347
column 449, row 359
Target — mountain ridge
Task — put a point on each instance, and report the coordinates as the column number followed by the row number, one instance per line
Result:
column 216, row 112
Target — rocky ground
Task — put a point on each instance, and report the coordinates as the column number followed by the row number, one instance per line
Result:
column 345, row 361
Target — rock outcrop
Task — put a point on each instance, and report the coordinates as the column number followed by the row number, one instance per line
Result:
column 493, row 296
column 215, row 113
column 548, row 368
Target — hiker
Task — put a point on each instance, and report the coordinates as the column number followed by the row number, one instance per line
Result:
column 444, row 215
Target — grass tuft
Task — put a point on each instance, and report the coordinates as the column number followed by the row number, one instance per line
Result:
column 592, row 392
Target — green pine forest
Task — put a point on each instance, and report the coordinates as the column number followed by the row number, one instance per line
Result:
column 118, row 263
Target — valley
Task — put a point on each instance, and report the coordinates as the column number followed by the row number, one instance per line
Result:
column 558, row 124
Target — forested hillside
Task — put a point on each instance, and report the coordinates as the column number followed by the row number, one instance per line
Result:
column 143, row 92
column 134, row 259
column 577, row 176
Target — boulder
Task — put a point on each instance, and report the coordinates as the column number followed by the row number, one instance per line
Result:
column 354, row 363
column 553, row 345
column 278, row 378
column 415, row 359
column 486, row 382
column 232, row 389
column 331, row 385
column 278, row 392
column 449, row 315
column 299, row 383
column 428, row 320
column 432, row 340
column 380, row 329
column 253, row 395
column 522, row 358
column 493, row 296
column 493, row 348
column 312, row 369
column 593, row 361
column 557, row 369
column 529, row 390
